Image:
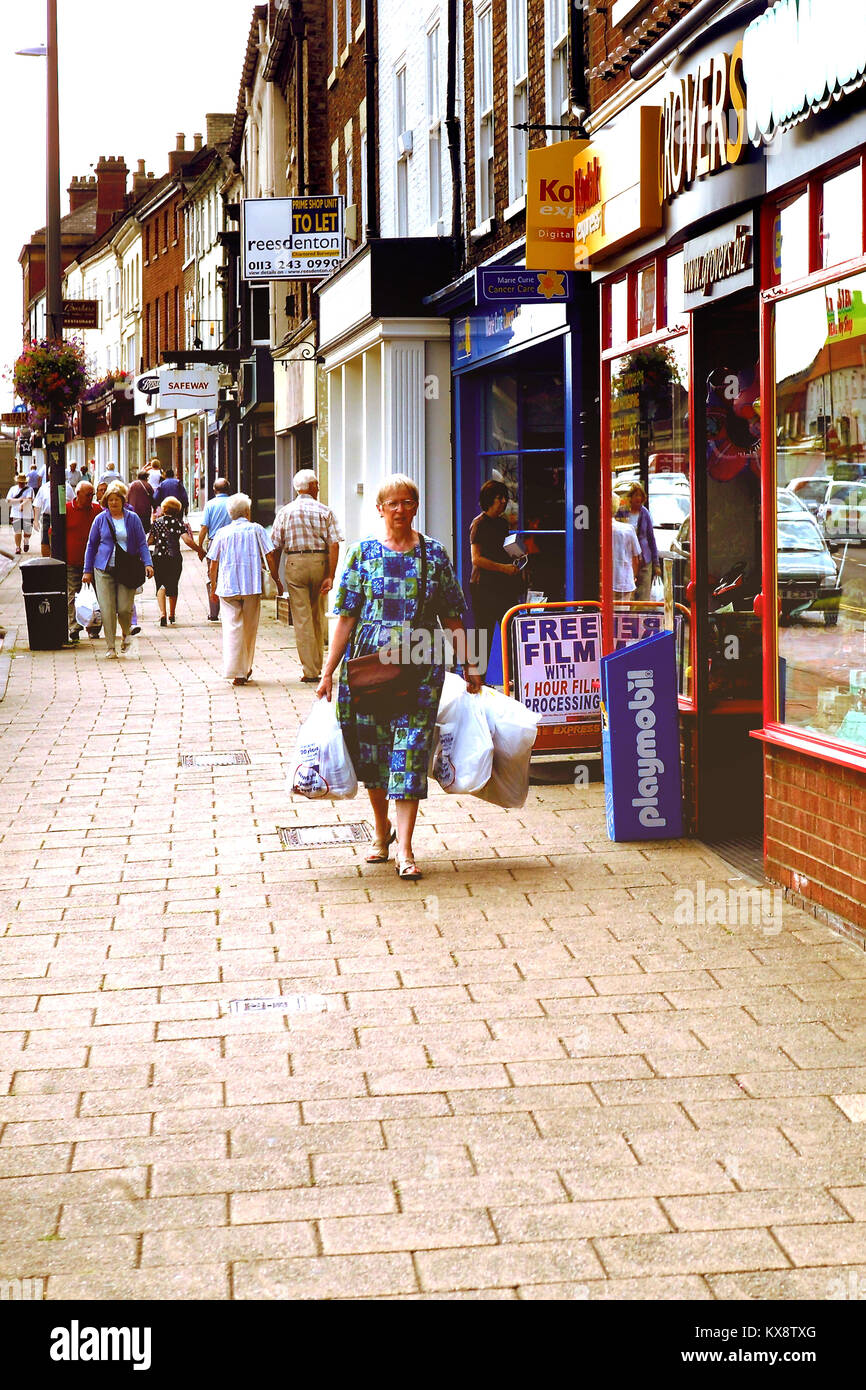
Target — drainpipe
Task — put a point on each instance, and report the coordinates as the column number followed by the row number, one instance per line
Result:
column 372, row 208
column 452, row 129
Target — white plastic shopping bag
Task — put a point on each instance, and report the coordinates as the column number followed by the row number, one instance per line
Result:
column 321, row 767
column 657, row 590
column 463, row 747
column 87, row 606
column 513, row 729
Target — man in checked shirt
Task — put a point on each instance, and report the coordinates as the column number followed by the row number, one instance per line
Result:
column 309, row 535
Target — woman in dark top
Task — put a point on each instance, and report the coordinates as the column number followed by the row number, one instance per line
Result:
column 166, row 535
column 494, row 582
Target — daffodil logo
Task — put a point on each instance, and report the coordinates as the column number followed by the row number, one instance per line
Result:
column 551, row 284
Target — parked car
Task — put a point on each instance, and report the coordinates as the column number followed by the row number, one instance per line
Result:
column 842, row 514
column 668, row 507
column 811, row 491
column 806, row 570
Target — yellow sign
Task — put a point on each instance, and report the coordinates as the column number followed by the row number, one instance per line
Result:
column 550, row 205
column 616, row 187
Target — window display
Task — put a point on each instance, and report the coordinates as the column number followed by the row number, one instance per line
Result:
column 820, row 352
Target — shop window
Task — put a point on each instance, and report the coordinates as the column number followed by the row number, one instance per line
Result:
column 791, row 236
column 522, row 445
column 649, row 444
column 674, row 308
column 820, row 346
column 841, row 230
column 619, row 312
column 646, row 299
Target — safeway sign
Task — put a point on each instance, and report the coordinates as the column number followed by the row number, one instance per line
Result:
column 179, row 389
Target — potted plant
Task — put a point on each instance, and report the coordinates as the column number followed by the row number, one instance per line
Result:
column 51, row 376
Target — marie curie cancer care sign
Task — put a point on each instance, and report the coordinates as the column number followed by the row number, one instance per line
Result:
column 557, row 671
column 291, row 238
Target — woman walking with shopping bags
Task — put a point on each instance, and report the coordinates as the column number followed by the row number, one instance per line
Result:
column 165, row 539
column 401, row 577
column 116, row 562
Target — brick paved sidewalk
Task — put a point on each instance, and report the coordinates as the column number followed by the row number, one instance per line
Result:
column 534, row 1076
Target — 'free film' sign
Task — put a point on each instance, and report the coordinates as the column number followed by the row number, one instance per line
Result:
column 557, row 672
column 291, row 238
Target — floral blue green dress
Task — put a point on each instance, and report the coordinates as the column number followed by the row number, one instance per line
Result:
column 380, row 587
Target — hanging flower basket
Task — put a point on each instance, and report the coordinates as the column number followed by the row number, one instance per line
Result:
column 51, row 376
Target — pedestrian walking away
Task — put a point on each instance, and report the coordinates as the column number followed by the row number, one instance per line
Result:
column 171, row 487
column 167, row 533
column 494, row 583
column 81, row 513
column 154, row 473
column 638, row 517
column 309, row 535
column 216, row 516
column 400, row 577
column 42, row 510
column 235, row 568
column 626, row 555
column 140, row 499
column 110, row 475
column 20, row 498
column 116, row 541
column 36, row 477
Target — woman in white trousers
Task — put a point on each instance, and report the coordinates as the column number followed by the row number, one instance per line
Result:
column 235, row 561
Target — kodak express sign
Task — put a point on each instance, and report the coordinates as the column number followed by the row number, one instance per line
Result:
column 550, row 205
column 615, row 182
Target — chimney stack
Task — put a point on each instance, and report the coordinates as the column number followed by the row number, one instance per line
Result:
column 111, row 175
column 81, row 191
column 219, row 127
column 196, row 141
column 180, row 155
column 140, row 181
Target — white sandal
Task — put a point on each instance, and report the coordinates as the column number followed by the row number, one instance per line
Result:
column 380, row 848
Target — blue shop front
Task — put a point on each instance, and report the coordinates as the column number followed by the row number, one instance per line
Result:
column 525, row 413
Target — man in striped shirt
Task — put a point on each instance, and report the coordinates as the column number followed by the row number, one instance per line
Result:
column 309, row 534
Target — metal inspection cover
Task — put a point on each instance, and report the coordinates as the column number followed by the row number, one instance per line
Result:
column 290, row 1004
column 324, row 836
column 214, row 759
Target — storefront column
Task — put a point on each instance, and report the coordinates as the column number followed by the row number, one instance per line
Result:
column 403, row 413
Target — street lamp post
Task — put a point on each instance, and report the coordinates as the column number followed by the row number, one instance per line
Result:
column 55, row 434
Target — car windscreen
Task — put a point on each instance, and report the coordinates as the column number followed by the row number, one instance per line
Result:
column 669, row 508
column 798, row 533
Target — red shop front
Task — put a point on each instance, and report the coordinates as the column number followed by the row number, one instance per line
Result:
column 733, row 392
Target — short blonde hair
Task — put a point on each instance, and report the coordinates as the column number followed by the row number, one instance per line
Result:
column 171, row 504
column 116, row 488
column 393, row 483
column 239, row 505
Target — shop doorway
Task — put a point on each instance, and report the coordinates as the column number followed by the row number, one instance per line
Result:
column 726, row 534
column 514, row 426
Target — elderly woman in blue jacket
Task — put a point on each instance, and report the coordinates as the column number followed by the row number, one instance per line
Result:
column 116, row 527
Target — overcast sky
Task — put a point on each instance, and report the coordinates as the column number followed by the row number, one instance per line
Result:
column 131, row 77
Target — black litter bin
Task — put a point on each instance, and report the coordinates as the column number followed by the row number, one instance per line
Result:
column 43, row 582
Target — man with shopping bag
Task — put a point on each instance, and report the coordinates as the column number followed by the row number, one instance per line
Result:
column 80, row 515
